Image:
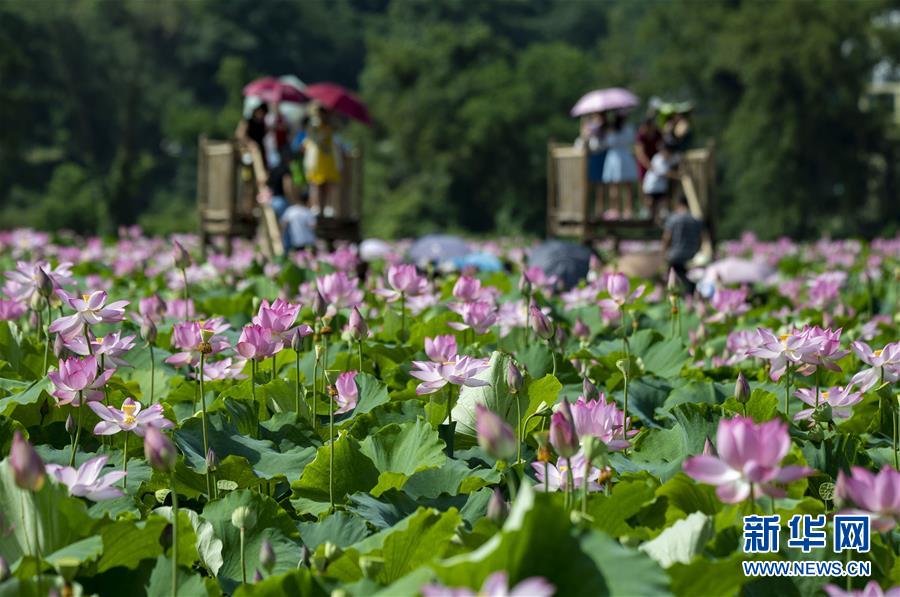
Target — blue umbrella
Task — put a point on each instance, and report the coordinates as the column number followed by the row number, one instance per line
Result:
column 437, row 248
column 569, row 262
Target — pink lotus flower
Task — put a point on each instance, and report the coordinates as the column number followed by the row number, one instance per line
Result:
column 152, row 308
column 794, row 348
column 347, row 392
column 187, row 337
column 76, row 376
column 495, row 585
column 495, row 436
column 180, row 309
column 129, row 418
column 279, row 317
column 86, row 482
column 11, row 310
column 538, row 280
column 478, row 315
column 441, row 349
column 557, row 475
column 620, row 294
column 749, row 457
column 872, row 589
column 467, row 289
column 460, row 371
column 27, row 278
column 226, row 368
column 563, row 436
column 258, row 343
column 876, row 495
column 838, row 398
column 339, row 291
column 884, row 363
column 827, row 349
column 729, row 303
column 112, row 347
column 404, row 280
column 600, row 419
column 90, row 309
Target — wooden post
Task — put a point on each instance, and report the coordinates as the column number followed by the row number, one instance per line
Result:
column 551, row 191
column 586, row 230
column 202, row 189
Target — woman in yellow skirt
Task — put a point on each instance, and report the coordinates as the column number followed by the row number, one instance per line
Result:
column 319, row 158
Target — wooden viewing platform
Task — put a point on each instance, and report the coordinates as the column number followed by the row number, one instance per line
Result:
column 572, row 209
column 228, row 185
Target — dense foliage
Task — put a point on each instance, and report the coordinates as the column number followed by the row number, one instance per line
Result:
column 103, row 102
column 310, row 427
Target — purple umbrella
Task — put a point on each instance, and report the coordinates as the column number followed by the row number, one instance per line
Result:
column 601, row 100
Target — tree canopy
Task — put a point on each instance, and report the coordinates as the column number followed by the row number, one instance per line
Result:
column 104, row 101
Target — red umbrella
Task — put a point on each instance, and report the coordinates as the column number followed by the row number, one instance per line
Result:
column 334, row 97
column 270, row 89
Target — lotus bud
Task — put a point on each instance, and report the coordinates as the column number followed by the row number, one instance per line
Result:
column 742, row 389
column 243, row 518
column 59, row 346
column 624, row 365
column 332, row 551
column 672, row 282
column 212, row 461
column 581, row 329
column 589, row 390
column 540, row 323
column 562, row 431
column 45, row 283
column 497, row 509
column 514, row 378
column 257, row 576
column 180, row 255
column 4, row 569
column 525, row 285
column 371, row 566
column 708, row 448
column 159, row 450
column 35, row 302
column 560, row 336
column 70, row 425
column 296, row 341
column 358, row 328
column 148, row 330
column 495, row 437
column 27, row 466
column 319, row 306
column 267, row 556
column 304, row 557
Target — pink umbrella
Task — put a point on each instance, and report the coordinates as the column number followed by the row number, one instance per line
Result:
column 601, row 100
column 270, row 89
column 334, row 97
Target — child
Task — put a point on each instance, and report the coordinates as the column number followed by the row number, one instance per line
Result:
column 656, row 180
column 681, row 241
column 298, row 225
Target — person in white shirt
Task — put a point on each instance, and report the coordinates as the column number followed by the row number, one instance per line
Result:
column 657, row 180
column 298, row 225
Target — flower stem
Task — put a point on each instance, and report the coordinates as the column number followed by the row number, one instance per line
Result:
column 330, row 451
column 205, row 431
column 243, row 564
column 584, row 486
column 359, row 353
column 174, row 538
column 47, row 337
column 77, row 428
column 274, row 366
column 315, row 387
column 895, row 414
column 787, row 391
column 570, row 486
column 152, row 374
column 626, row 423
column 553, row 355
column 519, row 429
column 253, row 379
column 450, row 435
column 403, row 317
column 125, row 462
column 546, row 477
column 185, row 291
column 297, row 385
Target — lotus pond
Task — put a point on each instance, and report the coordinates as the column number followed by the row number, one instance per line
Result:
column 323, row 426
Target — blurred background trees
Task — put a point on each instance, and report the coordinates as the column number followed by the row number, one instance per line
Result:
column 102, row 103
